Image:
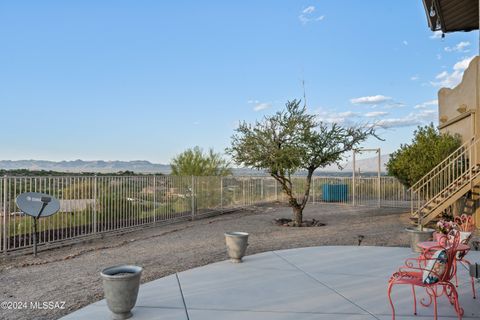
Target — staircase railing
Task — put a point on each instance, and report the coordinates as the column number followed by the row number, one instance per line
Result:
column 449, row 174
column 441, row 165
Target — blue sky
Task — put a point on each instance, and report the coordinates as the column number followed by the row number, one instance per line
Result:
column 128, row 80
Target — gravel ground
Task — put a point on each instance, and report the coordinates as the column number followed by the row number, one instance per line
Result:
column 71, row 274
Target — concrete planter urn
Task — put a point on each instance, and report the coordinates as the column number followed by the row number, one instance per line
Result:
column 418, row 235
column 120, row 285
column 237, row 243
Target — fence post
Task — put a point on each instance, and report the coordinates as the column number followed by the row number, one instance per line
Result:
column 353, row 178
column 261, row 189
column 379, row 183
column 276, row 191
column 95, row 204
column 193, row 198
column 243, row 192
column 221, row 193
column 154, row 199
column 4, row 202
column 313, row 190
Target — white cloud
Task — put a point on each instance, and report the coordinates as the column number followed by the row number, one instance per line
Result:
column 451, row 79
column 375, row 114
column 398, row 122
column 459, row 47
column 348, row 114
column 462, row 64
column 405, row 42
column 371, row 100
column 258, row 106
column 308, row 15
column 426, row 104
column 441, row 75
column 436, row 35
column 414, row 78
column 304, row 20
column 393, row 104
column 419, row 117
column 309, row 9
column 336, row 117
column 262, row 106
column 428, row 115
column 412, row 119
column 439, row 56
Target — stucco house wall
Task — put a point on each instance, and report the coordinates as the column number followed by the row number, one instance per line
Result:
column 458, row 108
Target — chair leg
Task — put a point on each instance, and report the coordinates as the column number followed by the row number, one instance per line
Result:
column 414, row 300
column 453, row 297
column 389, row 292
column 472, row 279
column 435, row 306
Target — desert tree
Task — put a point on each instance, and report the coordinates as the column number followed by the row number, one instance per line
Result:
column 194, row 162
column 293, row 140
column 428, row 148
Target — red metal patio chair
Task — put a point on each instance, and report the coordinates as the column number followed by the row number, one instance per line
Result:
column 466, row 225
column 414, row 271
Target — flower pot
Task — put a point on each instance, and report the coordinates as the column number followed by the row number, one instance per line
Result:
column 237, row 243
column 419, row 235
column 120, row 286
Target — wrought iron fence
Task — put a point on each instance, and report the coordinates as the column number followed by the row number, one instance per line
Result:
column 93, row 205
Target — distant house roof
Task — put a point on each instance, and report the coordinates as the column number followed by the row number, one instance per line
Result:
column 452, row 15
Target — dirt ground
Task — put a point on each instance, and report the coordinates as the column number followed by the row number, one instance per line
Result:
column 71, row 274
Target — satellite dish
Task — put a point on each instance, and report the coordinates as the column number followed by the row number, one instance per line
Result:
column 37, row 204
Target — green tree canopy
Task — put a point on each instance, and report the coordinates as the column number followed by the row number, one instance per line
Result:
column 194, row 162
column 427, row 149
column 293, row 140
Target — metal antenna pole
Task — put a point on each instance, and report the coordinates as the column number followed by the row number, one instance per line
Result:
column 44, row 204
column 304, row 94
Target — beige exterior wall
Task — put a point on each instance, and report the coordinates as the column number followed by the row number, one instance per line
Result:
column 459, row 111
column 459, row 108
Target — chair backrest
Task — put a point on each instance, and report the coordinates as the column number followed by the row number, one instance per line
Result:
column 451, row 250
column 465, row 223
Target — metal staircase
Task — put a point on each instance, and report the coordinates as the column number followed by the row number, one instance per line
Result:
column 445, row 184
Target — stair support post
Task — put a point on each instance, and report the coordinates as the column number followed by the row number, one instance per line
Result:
column 470, row 165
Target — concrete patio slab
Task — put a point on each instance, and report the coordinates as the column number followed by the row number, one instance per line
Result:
column 359, row 283
column 302, row 284
column 250, row 315
column 139, row 313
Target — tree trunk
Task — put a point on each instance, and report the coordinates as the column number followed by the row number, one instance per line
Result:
column 297, row 216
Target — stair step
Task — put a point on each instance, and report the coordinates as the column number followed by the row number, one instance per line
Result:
column 455, row 184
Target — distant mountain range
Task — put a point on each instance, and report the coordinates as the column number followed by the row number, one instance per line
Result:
column 142, row 166
column 139, row 166
column 365, row 165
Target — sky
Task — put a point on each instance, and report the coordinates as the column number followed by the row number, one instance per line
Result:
column 145, row 80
